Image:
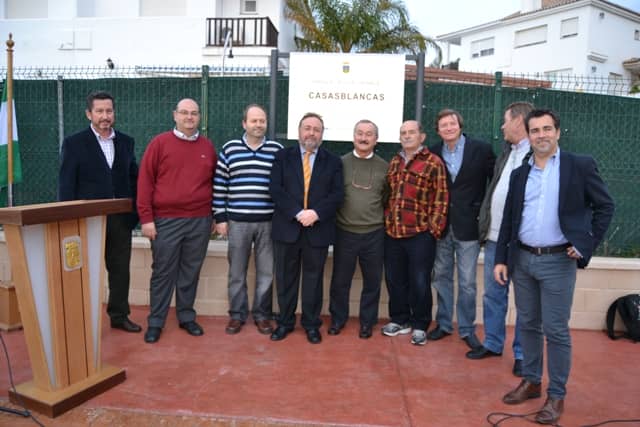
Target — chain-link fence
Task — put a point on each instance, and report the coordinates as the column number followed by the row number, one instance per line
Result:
column 50, row 104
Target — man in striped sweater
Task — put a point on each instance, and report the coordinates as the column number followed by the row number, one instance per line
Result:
column 242, row 211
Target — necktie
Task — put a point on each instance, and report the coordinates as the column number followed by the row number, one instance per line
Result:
column 306, row 169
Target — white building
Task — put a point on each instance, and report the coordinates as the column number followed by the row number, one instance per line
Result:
column 554, row 37
column 145, row 32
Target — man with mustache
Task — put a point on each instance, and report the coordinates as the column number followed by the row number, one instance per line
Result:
column 99, row 163
column 306, row 187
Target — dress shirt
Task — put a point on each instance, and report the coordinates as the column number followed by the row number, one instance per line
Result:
column 453, row 158
column 106, row 144
column 540, row 222
column 518, row 151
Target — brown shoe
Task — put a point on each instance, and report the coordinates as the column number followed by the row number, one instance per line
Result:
column 551, row 411
column 234, row 326
column 524, row 391
column 264, row 326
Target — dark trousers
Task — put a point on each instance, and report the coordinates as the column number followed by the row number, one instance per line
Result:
column 290, row 259
column 408, row 263
column 368, row 250
column 117, row 256
column 178, row 253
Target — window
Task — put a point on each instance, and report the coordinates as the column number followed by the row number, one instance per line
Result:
column 24, row 9
column 531, row 36
column 248, row 6
column 569, row 27
column 482, row 47
column 636, row 35
column 163, row 8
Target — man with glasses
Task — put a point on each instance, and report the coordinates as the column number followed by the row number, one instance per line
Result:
column 174, row 204
column 360, row 231
column 306, row 187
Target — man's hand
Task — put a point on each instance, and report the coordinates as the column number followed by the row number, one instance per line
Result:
column 149, row 230
column 501, row 274
column 573, row 253
column 222, row 229
column 307, row 217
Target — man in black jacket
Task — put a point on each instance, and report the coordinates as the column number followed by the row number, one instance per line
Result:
column 99, row 163
column 469, row 163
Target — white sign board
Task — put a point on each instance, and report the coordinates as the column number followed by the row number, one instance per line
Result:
column 344, row 88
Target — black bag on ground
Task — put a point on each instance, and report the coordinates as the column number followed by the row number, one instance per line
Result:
column 628, row 307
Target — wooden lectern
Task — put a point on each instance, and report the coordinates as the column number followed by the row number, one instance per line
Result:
column 57, row 262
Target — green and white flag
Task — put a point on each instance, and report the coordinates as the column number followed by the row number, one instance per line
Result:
column 4, row 148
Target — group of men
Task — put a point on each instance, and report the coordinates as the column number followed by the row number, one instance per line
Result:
column 539, row 212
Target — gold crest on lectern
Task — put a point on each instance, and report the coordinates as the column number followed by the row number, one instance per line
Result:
column 72, row 253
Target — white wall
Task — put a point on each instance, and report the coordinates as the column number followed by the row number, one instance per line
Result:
column 118, row 32
column 611, row 36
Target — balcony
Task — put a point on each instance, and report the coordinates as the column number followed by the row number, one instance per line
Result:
column 253, row 32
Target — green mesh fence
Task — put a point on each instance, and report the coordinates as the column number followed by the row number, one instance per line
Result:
column 603, row 126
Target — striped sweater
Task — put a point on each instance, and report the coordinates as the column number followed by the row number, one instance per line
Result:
column 241, row 183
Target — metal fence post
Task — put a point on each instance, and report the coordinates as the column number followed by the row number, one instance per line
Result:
column 204, row 108
column 497, row 108
column 60, row 112
column 419, row 85
column 273, row 93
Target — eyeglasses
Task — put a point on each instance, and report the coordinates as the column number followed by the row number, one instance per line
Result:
column 361, row 186
column 188, row 113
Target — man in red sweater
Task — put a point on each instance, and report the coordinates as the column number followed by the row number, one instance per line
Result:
column 174, row 203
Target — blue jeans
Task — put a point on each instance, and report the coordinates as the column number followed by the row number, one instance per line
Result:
column 407, row 264
column 495, row 303
column 544, row 288
column 450, row 252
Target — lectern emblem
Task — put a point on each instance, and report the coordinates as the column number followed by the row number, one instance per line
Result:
column 72, row 253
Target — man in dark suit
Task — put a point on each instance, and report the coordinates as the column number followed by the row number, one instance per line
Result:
column 306, row 187
column 469, row 163
column 99, row 163
column 556, row 213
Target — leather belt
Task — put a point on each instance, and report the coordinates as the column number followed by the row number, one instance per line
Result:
column 545, row 250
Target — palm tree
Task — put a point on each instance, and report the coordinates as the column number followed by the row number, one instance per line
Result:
column 368, row 26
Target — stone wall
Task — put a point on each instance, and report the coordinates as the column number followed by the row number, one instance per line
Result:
column 596, row 287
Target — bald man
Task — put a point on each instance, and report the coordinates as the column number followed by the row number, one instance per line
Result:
column 174, row 203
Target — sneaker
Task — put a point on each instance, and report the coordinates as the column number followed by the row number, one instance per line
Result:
column 392, row 329
column 419, row 337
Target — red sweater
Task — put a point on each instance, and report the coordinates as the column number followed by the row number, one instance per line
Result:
column 176, row 178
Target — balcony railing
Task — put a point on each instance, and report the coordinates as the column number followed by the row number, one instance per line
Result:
column 244, row 32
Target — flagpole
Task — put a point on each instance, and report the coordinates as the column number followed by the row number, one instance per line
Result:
column 9, row 84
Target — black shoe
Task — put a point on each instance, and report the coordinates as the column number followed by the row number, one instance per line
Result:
column 192, row 328
column 126, row 325
column 365, row 331
column 335, row 329
column 313, row 336
column 437, row 334
column 472, row 341
column 517, row 368
column 280, row 333
column 152, row 335
column 481, row 352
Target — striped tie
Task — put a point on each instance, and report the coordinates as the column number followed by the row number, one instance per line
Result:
column 306, row 169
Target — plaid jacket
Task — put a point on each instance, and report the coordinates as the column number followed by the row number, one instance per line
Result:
column 419, row 198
